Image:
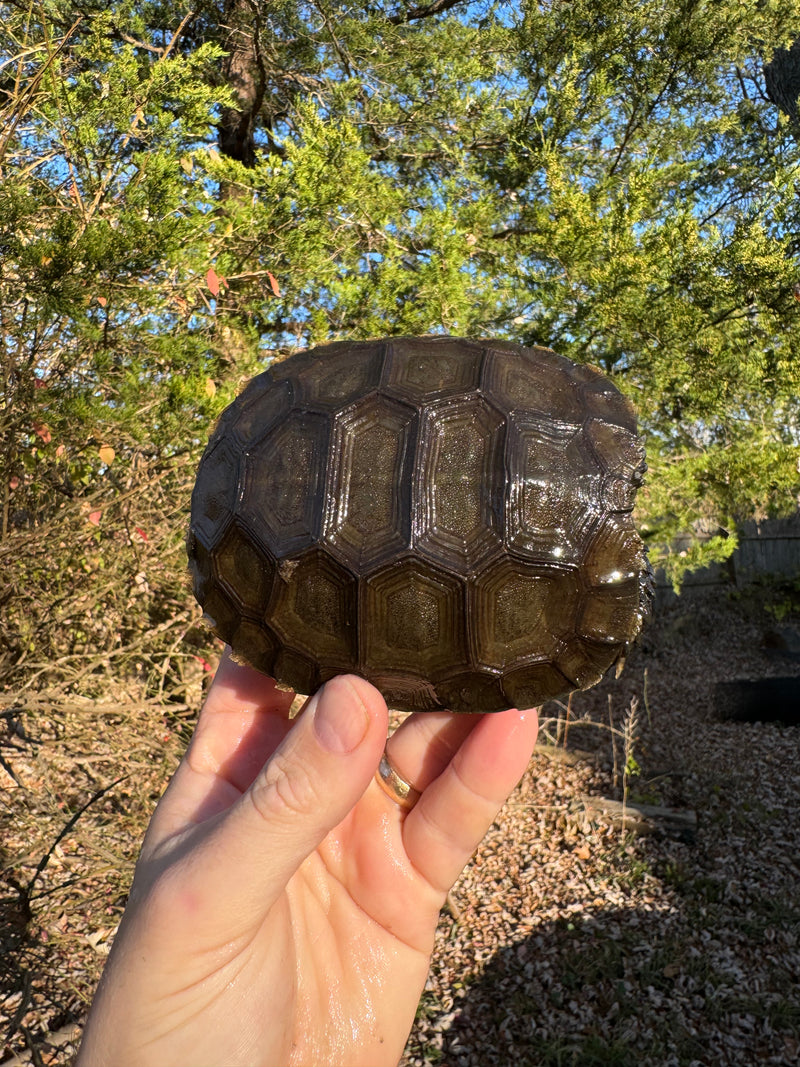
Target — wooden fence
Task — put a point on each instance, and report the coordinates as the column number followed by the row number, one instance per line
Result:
column 771, row 546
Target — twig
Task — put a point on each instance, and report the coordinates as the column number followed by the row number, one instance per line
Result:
column 646, row 700
column 563, row 755
column 566, row 721
column 189, row 15
column 423, row 11
column 10, row 771
column 22, row 1008
column 33, row 1048
column 643, row 817
column 26, row 891
column 28, row 95
column 455, row 912
column 613, row 743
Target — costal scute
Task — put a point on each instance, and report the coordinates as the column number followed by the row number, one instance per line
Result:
column 450, row 519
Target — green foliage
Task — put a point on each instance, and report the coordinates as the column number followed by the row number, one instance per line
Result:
column 608, row 178
column 776, row 595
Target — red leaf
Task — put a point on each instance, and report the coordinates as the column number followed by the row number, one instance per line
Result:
column 94, row 517
column 203, row 663
column 273, row 284
column 13, row 482
column 212, row 281
column 101, row 300
column 141, row 533
column 41, row 429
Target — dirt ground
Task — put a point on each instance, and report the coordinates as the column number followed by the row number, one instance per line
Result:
column 572, row 938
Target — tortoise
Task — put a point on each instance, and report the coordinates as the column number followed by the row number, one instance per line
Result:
column 448, row 518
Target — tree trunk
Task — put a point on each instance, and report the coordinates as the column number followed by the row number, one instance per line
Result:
column 782, row 78
column 243, row 70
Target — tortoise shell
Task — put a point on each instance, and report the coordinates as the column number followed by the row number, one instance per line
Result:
column 448, row 518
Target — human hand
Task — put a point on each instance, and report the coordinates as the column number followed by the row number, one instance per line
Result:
column 284, row 906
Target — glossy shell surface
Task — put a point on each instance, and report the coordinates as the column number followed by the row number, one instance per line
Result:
column 450, row 519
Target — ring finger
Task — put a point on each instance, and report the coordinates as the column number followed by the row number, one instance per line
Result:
column 462, row 768
column 424, row 743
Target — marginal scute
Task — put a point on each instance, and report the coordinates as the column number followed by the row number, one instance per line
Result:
column 293, row 669
column 523, row 688
column 266, row 403
column 584, row 662
column 243, row 571
column 604, row 401
column 619, row 493
column 407, row 692
column 448, row 518
column 214, row 510
column 262, row 647
column 219, row 611
column 619, row 450
column 611, row 615
column 474, row 691
column 615, row 555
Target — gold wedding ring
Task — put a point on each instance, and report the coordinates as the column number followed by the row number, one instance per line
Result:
column 394, row 785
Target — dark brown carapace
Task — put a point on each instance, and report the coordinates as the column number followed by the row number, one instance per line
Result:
column 450, row 519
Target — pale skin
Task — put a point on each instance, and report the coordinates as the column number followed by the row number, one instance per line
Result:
column 283, row 908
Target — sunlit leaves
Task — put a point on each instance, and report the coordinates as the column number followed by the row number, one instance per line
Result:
column 604, row 176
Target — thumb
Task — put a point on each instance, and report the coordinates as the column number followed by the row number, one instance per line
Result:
column 308, row 786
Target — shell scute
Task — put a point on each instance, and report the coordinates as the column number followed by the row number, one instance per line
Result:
column 313, row 609
column 553, row 490
column 418, row 619
column 423, row 370
column 460, row 476
column 283, row 479
column 367, row 517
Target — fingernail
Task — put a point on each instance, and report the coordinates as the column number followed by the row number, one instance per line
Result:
column 340, row 723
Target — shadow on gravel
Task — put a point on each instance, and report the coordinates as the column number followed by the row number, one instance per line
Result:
column 627, row 988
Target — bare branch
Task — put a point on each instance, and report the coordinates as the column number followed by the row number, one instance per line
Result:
column 176, row 35
column 30, row 92
column 423, row 11
column 126, row 37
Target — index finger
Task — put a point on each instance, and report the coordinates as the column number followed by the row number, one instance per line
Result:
column 243, row 720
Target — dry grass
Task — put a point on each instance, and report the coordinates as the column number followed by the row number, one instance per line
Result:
column 569, row 942
column 87, row 775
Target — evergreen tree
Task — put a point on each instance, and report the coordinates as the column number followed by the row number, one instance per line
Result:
column 188, row 193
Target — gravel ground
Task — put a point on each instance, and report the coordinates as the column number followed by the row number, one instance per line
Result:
column 574, row 941
column 570, row 939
